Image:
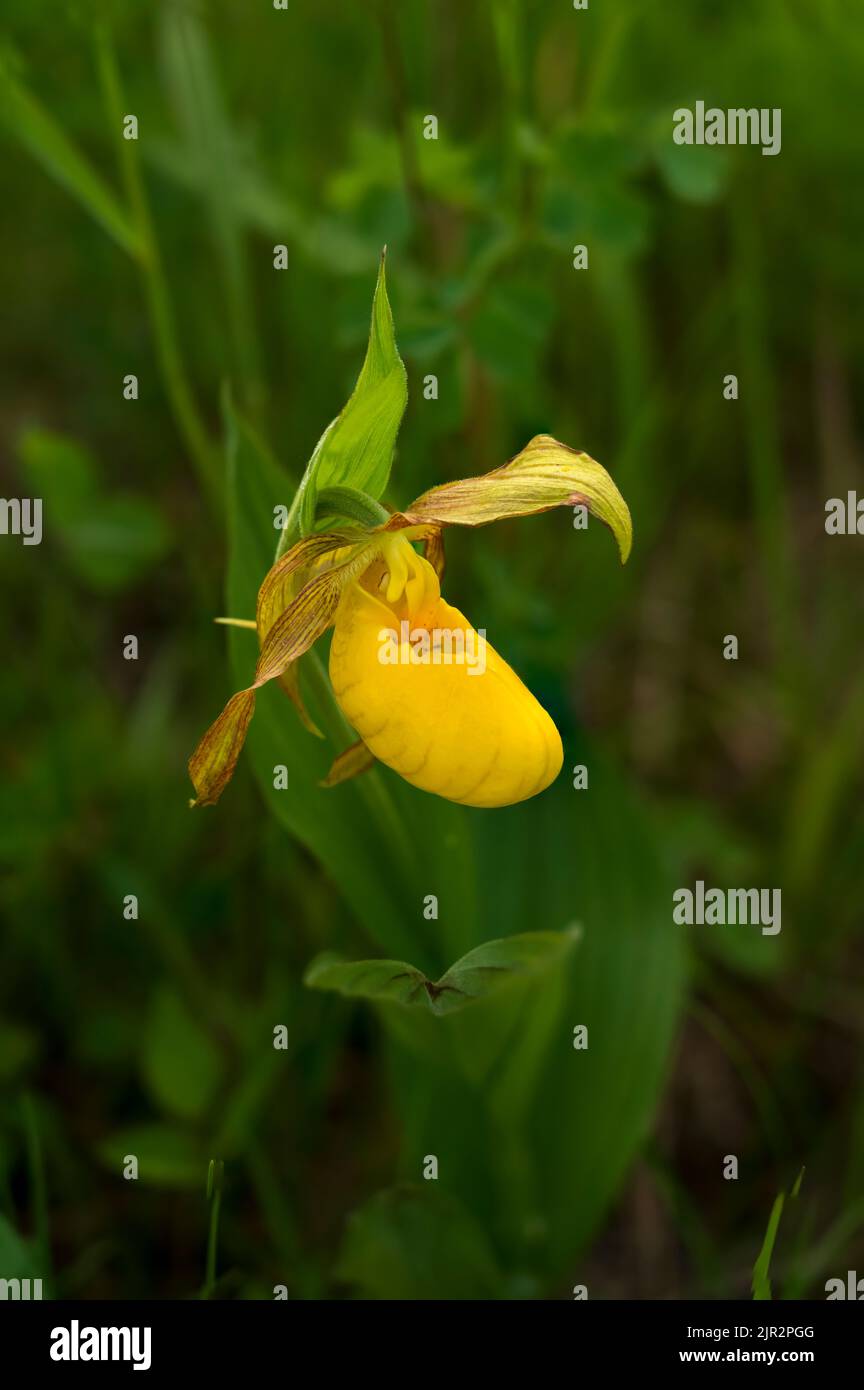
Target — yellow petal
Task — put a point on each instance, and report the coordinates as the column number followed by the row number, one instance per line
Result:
column 479, row 738
column 545, row 474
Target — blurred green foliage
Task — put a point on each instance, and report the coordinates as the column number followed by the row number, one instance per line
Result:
column 154, row 1036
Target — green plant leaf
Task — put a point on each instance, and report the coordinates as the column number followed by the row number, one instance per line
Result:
column 166, row 1157
column 18, row 1257
column 482, row 972
column 180, row 1063
column 33, row 126
column 356, row 449
column 417, row 1243
column 109, row 539
column 518, row 1113
column 391, row 980
column 761, row 1282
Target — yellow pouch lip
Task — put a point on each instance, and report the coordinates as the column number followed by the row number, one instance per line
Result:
column 429, row 747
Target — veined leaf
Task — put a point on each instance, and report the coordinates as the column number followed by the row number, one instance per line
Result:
column 29, row 122
column 518, row 1112
column 356, row 449
column 481, row 972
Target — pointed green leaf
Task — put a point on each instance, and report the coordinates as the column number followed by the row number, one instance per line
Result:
column 356, row 449
column 392, row 980
column 761, row 1282
column 486, row 969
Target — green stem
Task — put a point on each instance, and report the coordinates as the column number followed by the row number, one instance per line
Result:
column 38, row 1186
column 212, row 1242
column 214, row 1186
column 174, row 376
column 760, row 422
column 351, row 504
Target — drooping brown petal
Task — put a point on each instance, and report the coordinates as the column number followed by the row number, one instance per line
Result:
column 290, row 683
column 211, row 766
column 355, row 759
column 545, row 474
column 306, row 617
column 433, row 551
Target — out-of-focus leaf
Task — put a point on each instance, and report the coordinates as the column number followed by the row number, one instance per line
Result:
column 598, row 155
column 613, row 216
column 391, row 980
column 597, row 856
column 511, row 326
column 180, row 1063
column 166, row 1157
column 122, row 539
column 18, row 1257
column 29, row 122
column 59, row 469
column 700, row 844
column 446, row 170
column 696, row 173
column 18, row 1048
column 109, row 538
column 193, row 82
column 483, row 971
column 417, row 1243
column 356, row 449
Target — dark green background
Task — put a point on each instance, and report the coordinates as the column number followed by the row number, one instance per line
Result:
column 259, row 127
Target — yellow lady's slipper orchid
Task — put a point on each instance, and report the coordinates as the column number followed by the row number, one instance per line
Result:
column 424, row 690
column 437, row 704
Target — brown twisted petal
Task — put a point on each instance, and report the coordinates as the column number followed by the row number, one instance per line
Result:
column 274, row 595
column 308, row 615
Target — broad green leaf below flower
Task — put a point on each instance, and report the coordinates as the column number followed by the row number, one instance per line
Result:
column 484, row 970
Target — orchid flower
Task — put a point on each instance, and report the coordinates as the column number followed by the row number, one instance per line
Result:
column 474, row 736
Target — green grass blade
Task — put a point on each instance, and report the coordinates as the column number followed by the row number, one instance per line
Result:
column 36, row 129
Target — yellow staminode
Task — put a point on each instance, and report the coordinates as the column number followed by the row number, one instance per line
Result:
column 426, row 693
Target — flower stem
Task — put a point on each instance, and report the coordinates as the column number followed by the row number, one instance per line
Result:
column 215, row 1178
